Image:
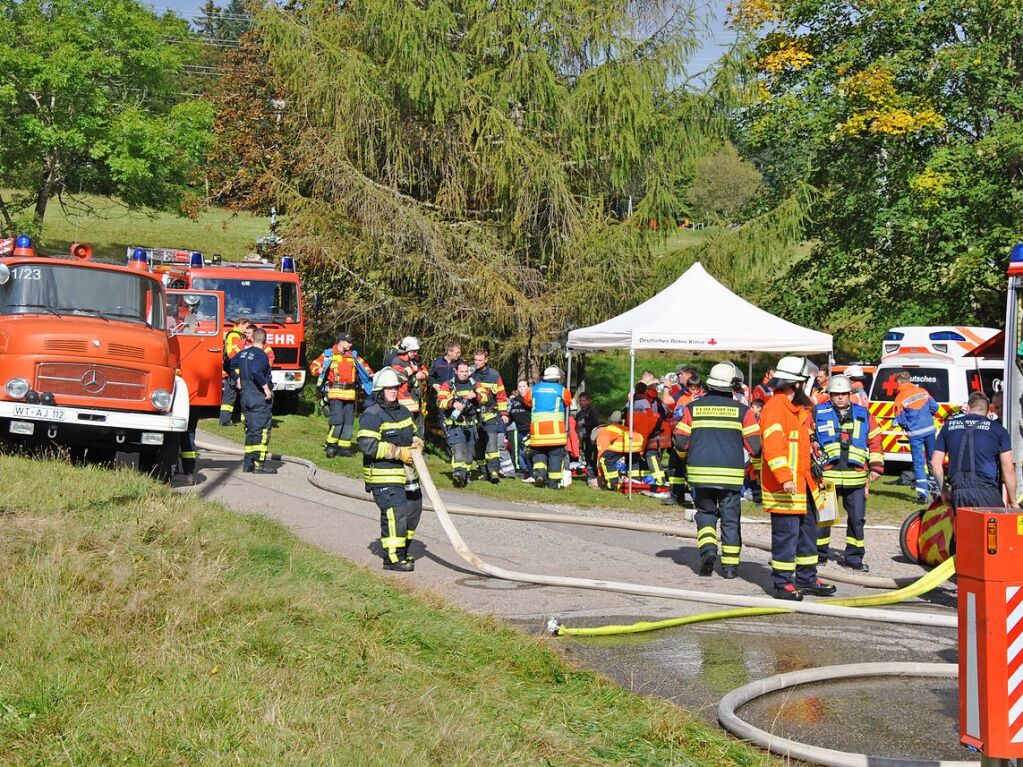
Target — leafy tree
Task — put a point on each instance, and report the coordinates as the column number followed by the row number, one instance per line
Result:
column 463, row 162
column 907, row 117
column 723, row 185
column 89, row 94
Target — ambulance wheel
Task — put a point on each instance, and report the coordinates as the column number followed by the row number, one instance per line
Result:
column 909, row 536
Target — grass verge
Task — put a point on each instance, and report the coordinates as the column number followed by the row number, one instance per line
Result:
column 142, row 627
column 303, row 436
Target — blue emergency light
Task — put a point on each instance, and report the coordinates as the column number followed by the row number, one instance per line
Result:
column 1017, row 253
column 139, row 254
column 195, row 260
column 287, row 264
column 23, row 241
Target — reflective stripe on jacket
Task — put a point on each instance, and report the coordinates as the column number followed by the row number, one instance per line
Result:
column 712, row 438
column 851, row 444
column 342, row 377
column 914, row 410
column 785, row 433
column 616, row 439
column 549, row 401
column 378, row 428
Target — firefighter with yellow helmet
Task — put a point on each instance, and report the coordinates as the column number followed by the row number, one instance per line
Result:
column 386, row 438
column 851, row 441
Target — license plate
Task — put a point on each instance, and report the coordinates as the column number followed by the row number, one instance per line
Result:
column 45, row 413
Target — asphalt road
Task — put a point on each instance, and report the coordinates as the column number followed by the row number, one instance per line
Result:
column 692, row 666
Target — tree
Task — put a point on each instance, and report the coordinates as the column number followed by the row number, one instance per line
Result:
column 462, row 161
column 908, row 119
column 723, row 185
column 89, row 109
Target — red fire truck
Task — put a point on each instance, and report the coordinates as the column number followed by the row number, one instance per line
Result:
column 268, row 294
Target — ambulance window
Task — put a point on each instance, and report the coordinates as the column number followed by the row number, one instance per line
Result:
column 987, row 380
column 934, row 380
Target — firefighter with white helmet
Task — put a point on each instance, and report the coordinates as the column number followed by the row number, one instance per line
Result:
column 851, row 440
column 386, row 439
column 791, row 486
column 413, row 374
column 548, row 436
column 858, row 379
column 712, row 438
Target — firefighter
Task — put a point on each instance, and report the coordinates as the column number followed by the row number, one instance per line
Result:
column 614, row 445
column 859, row 392
column 387, row 436
column 790, row 490
column 493, row 404
column 979, row 452
column 458, row 401
column 253, row 372
column 676, row 468
column 337, row 372
column 548, row 435
column 914, row 412
column 712, row 438
column 412, row 374
column 851, row 440
column 763, row 390
column 819, row 395
column 234, row 342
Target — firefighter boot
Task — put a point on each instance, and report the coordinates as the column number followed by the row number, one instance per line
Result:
column 402, row 565
column 330, row 450
column 707, row 562
column 788, row 592
column 728, row 572
column 819, row 589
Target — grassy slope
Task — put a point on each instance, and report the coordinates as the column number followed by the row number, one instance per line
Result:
column 140, row 627
column 112, row 228
column 303, row 436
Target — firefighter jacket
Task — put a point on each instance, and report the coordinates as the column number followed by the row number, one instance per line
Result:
column 859, row 395
column 785, row 433
column 269, row 353
column 616, row 438
column 851, row 441
column 549, row 401
column 655, row 426
column 234, row 342
column 379, row 428
column 454, row 390
column 410, row 393
column 914, row 410
column 493, row 397
column 762, row 391
column 688, row 397
column 712, row 438
column 342, row 379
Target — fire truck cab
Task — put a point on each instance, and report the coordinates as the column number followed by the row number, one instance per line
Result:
column 268, row 294
column 85, row 358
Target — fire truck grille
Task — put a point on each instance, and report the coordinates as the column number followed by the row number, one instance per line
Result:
column 66, row 345
column 78, row 379
column 286, row 356
column 122, row 350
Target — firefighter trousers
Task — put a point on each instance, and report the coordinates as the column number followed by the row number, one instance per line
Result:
column 978, row 493
column 655, row 466
column 340, row 417
column 258, row 415
column 462, row 444
column 188, row 453
column 854, row 501
column 488, row 453
column 400, row 510
column 613, row 476
column 714, row 504
column 676, row 477
column 228, row 398
column 794, row 547
column 548, row 465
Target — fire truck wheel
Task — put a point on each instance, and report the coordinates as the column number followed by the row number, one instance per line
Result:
column 909, row 536
column 160, row 462
column 286, row 402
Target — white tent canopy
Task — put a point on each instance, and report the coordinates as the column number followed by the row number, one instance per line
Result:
column 697, row 313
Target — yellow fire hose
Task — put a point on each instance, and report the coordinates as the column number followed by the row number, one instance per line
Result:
column 934, row 578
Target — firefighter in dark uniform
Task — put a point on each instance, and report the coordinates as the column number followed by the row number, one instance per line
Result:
column 457, row 400
column 493, row 404
column 386, row 439
column 234, row 342
column 252, row 368
column 979, row 452
column 711, row 438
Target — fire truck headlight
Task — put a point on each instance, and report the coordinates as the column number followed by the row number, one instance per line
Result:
column 17, row 388
column 161, row 399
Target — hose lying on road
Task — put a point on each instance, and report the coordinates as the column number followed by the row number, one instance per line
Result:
column 801, row 751
column 312, row 475
column 928, row 582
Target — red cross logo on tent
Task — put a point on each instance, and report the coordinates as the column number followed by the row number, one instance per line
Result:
column 890, row 385
column 712, row 342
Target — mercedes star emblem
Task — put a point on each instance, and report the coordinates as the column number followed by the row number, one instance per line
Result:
column 93, row 381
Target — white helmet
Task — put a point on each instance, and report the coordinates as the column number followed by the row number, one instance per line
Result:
column 793, row 369
column 855, row 371
column 839, row 385
column 721, row 376
column 553, row 373
column 386, row 378
column 410, row 344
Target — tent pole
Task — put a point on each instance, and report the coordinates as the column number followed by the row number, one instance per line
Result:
column 566, row 468
column 749, row 370
column 568, row 384
column 632, row 409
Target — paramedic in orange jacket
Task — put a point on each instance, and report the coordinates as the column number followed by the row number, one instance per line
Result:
column 791, row 493
column 615, row 442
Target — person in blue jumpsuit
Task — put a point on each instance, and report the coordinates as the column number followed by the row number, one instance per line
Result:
column 252, row 368
column 979, row 454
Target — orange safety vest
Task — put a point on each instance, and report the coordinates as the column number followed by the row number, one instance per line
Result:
column 342, row 378
column 646, row 422
column 785, row 435
column 618, row 440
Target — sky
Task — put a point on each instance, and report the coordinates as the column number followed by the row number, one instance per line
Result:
column 717, row 37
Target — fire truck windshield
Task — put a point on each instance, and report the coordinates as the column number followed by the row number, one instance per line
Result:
column 259, row 300
column 79, row 291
